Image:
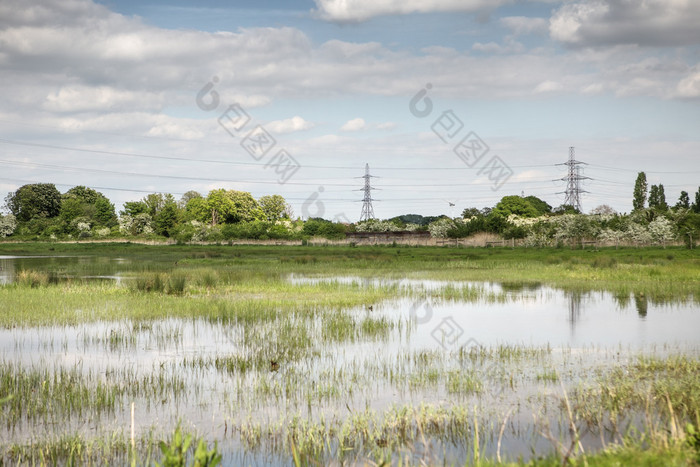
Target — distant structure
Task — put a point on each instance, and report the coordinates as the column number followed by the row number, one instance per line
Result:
column 573, row 181
column 367, row 209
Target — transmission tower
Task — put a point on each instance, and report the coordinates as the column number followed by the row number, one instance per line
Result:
column 573, row 181
column 367, row 209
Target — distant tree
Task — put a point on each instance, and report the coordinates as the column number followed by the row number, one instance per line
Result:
column 471, row 212
column 661, row 204
column 190, row 195
column 104, row 212
column 84, row 194
column 134, row 208
column 541, row 206
column 657, row 198
column 198, row 209
column 35, row 201
column 603, row 209
column 565, row 209
column 231, row 206
column 515, row 205
column 274, row 207
column 696, row 205
column 640, row 192
column 165, row 220
column 683, row 201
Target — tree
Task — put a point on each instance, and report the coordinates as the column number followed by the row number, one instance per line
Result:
column 8, row 224
column 683, row 201
column 274, row 207
column 104, row 212
column 696, row 205
column 653, row 196
column 35, row 201
column 134, row 208
column 604, row 209
column 565, row 209
column 661, row 230
column 515, row 205
column 541, row 206
column 640, row 192
column 231, row 206
column 84, row 194
column 165, row 220
column 661, row 205
column 471, row 212
column 187, row 197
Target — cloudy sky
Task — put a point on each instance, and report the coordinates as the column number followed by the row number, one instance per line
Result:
column 449, row 101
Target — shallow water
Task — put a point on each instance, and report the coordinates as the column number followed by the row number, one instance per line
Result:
column 577, row 333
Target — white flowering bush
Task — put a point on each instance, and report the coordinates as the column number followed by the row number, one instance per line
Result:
column 638, row 234
column 440, row 227
column 374, row 225
column 538, row 240
column 137, row 225
column 661, row 230
column 102, row 232
column 8, row 224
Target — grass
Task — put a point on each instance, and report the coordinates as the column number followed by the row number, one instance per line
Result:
column 311, row 370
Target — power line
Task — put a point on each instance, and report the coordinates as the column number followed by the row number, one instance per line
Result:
column 573, row 181
column 367, row 209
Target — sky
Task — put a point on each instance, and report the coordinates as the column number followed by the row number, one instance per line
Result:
column 448, row 101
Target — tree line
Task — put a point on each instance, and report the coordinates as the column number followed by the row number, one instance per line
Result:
column 41, row 212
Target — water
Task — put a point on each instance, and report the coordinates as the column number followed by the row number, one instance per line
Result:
column 576, row 333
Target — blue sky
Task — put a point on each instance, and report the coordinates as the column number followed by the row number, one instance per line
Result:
column 105, row 94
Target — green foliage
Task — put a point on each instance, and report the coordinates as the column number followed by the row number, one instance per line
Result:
column 683, row 201
column 516, row 205
column 104, row 212
column 640, row 192
column 317, row 227
column 134, row 208
column 36, row 201
column 695, row 207
column 175, row 454
column 541, row 206
column 166, row 219
column 274, row 207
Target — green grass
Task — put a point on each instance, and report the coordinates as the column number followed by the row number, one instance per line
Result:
column 311, row 353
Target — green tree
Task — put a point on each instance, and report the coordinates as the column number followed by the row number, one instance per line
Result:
column 640, row 192
column 696, row 205
column 187, row 197
column 541, row 206
column 274, row 207
column 134, row 208
column 104, row 212
column 35, row 201
column 166, row 219
column 683, row 201
column 231, row 206
column 84, row 194
column 515, row 205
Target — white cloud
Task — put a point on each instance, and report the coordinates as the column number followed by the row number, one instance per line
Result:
column 509, row 46
column 362, row 10
column 689, row 86
column 548, row 86
column 642, row 22
column 521, row 25
column 386, row 126
column 356, row 124
column 81, row 98
column 289, row 125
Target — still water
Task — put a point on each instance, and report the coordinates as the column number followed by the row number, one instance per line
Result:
column 577, row 333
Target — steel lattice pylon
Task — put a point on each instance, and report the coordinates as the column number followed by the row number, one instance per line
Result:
column 573, row 181
column 367, row 209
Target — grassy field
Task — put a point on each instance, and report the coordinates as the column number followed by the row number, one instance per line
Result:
column 219, row 339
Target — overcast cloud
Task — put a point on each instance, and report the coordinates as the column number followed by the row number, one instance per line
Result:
column 617, row 79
